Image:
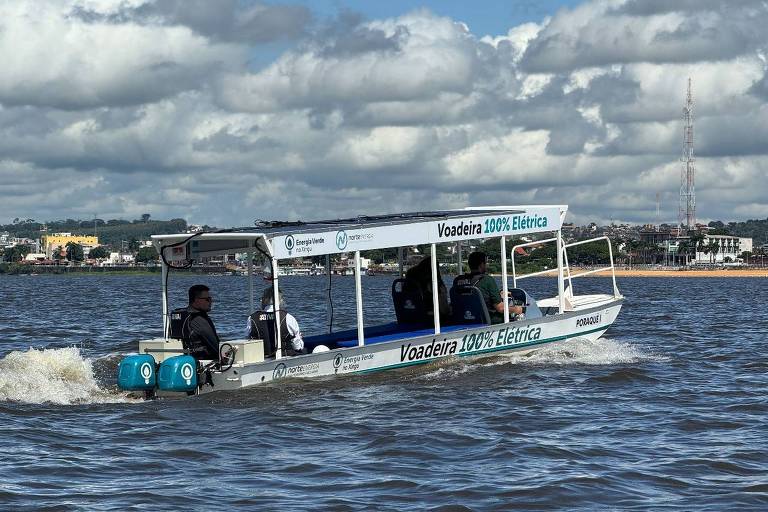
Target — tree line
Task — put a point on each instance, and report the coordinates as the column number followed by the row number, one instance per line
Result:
column 110, row 232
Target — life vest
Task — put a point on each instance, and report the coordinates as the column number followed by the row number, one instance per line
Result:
column 263, row 327
column 193, row 342
column 467, row 280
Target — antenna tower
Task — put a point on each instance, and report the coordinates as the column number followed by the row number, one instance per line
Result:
column 686, row 216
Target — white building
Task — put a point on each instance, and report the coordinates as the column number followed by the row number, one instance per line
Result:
column 719, row 248
column 115, row 258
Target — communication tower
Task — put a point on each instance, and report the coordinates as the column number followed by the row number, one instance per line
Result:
column 686, row 217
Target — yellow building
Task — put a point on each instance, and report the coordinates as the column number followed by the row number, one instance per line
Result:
column 54, row 240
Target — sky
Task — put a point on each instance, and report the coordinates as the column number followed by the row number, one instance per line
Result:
column 225, row 112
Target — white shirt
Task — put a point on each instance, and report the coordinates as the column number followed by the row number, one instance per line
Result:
column 293, row 329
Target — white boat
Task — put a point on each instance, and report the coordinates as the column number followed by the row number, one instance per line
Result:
column 383, row 347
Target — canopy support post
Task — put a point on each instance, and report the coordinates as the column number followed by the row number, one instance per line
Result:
column 560, row 284
column 164, row 277
column 435, row 295
column 250, row 277
column 359, row 302
column 504, row 285
column 459, row 267
column 276, row 309
column 329, row 302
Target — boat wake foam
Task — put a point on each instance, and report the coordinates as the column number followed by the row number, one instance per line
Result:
column 579, row 351
column 56, row 375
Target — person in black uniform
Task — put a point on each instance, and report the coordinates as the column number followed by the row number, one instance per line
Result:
column 199, row 333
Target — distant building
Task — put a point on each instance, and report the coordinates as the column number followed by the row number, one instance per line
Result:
column 728, row 247
column 655, row 234
column 50, row 242
column 116, row 258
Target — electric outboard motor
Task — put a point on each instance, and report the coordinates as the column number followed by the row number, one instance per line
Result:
column 178, row 373
column 137, row 373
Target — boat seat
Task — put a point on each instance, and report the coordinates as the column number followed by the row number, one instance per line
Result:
column 468, row 305
column 408, row 302
column 523, row 298
column 264, row 327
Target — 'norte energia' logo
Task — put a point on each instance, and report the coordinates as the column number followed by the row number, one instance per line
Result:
column 279, row 371
column 341, row 240
column 289, row 243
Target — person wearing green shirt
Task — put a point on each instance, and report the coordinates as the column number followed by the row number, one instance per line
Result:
column 487, row 285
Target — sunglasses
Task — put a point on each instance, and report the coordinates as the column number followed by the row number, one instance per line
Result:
column 209, row 299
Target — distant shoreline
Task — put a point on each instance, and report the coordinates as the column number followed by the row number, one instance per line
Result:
column 620, row 272
column 731, row 272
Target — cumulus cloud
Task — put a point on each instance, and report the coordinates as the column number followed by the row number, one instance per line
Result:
column 604, row 33
column 154, row 106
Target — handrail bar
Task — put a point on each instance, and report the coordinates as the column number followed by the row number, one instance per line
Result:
column 567, row 269
column 593, row 271
column 527, row 244
column 582, row 242
column 535, row 242
column 540, row 272
column 610, row 257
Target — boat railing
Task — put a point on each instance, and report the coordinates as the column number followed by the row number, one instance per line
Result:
column 566, row 266
column 515, row 277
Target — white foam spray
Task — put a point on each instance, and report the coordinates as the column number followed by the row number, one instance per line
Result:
column 56, row 375
column 579, row 351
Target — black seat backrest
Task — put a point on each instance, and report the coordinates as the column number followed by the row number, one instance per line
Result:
column 176, row 326
column 264, row 327
column 467, row 303
column 523, row 298
column 408, row 302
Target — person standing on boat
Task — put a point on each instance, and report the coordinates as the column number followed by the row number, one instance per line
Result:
column 478, row 278
column 199, row 334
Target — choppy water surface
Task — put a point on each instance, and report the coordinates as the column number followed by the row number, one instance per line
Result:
column 667, row 412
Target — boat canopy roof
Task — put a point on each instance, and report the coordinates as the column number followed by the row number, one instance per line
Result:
column 282, row 240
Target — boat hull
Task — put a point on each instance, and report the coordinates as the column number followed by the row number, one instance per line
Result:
column 590, row 323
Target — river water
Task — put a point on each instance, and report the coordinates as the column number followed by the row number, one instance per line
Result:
column 668, row 411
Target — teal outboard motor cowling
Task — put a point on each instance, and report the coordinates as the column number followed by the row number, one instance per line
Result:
column 178, row 373
column 137, row 373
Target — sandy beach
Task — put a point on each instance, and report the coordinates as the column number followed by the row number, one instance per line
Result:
column 626, row 272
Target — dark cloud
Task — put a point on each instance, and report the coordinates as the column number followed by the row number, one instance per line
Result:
column 625, row 35
column 654, row 7
column 221, row 20
column 728, row 136
column 347, row 36
column 760, row 87
column 224, row 141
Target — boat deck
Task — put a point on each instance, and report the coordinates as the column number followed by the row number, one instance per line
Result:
column 378, row 334
column 578, row 301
